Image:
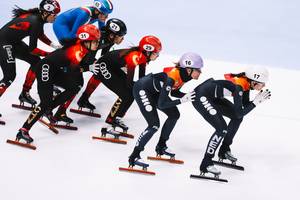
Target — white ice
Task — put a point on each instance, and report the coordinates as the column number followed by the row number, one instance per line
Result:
column 71, row 165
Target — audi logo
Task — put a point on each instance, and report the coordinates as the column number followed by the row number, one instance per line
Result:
column 45, row 72
column 105, row 73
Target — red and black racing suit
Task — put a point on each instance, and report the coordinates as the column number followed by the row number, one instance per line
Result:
column 12, row 46
column 116, row 73
column 62, row 67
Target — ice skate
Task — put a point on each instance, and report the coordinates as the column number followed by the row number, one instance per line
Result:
column 83, row 102
column 25, row 97
column 137, row 161
column 223, row 156
column 162, row 152
column 62, row 116
column 110, row 131
column 118, row 122
column 209, row 169
column 23, row 135
column 227, row 155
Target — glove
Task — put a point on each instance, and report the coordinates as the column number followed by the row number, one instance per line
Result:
column 95, row 68
column 262, row 96
column 55, row 45
column 188, row 97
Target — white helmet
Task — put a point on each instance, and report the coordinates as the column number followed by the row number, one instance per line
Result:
column 257, row 73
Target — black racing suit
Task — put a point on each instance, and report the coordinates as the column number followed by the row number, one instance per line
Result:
column 63, row 68
column 212, row 105
column 12, row 46
column 151, row 95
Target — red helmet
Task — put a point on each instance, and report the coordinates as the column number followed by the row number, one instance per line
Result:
column 88, row 32
column 150, row 43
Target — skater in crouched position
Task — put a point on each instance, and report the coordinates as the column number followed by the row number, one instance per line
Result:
column 63, row 67
column 65, row 27
column 117, row 72
column 24, row 23
column 152, row 93
column 211, row 103
column 113, row 33
column 67, row 23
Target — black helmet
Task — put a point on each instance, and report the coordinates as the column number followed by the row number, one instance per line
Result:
column 50, row 6
column 116, row 26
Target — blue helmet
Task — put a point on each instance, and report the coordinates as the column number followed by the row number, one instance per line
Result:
column 104, row 6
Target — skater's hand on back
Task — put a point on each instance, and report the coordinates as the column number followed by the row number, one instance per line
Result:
column 95, row 68
column 188, row 97
column 262, row 96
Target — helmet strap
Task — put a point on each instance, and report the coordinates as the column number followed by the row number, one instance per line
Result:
column 184, row 75
column 111, row 37
column 147, row 54
column 87, row 44
column 253, row 84
column 95, row 13
column 45, row 15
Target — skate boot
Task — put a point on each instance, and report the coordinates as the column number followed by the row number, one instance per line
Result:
column 117, row 122
column 207, row 166
column 23, row 134
column 62, row 116
column 231, row 157
column 110, row 130
column 164, row 151
column 225, row 153
column 209, row 169
column 84, row 102
column 133, row 161
column 25, row 97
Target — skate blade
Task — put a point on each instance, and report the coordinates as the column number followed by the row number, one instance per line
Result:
column 208, row 178
column 113, row 140
column 140, row 171
column 67, row 127
column 87, row 113
column 170, row 160
column 29, row 146
column 2, row 122
column 229, row 165
column 127, row 135
column 22, row 107
column 54, row 130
